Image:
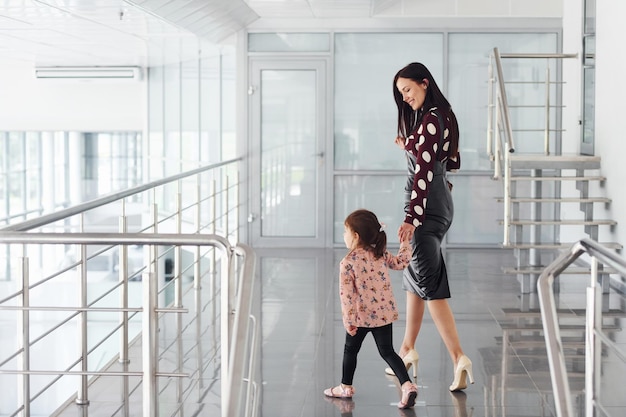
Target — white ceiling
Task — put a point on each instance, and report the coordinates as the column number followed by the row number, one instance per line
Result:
column 140, row 32
column 151, row 32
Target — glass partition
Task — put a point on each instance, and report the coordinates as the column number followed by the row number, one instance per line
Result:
column 365, row 112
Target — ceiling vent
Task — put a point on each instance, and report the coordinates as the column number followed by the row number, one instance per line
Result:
column 89, row 73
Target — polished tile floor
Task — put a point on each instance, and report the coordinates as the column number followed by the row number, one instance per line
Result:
column 297, row 305
column 500, row 330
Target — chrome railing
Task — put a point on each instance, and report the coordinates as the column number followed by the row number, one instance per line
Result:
column 500, row 133
column 167, row 214
column 594, row 336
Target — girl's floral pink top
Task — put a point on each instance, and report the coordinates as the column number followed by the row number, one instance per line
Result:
column 365, row 289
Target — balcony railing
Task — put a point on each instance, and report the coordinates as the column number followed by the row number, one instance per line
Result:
column 147, row 256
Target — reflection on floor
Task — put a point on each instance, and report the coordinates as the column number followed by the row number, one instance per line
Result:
column 500, row 330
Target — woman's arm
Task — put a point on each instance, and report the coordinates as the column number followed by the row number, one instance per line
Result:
column 423, row 145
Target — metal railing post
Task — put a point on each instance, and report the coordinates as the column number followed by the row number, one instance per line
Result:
column 123, row 300
column 23, row 332
column 149, row 344
column 123, row 297
column 592, row 344
column 82, row 397
column 497, row 160
column 178, row 298
column 225, row 328
column 241, row 343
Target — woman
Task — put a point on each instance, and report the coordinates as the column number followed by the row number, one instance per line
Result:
column 428, row 132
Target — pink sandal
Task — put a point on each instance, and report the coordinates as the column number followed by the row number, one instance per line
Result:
column 409, row 394
column 339, row 392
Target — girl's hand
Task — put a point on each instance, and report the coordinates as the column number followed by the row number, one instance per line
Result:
column 399, row 141
column 352, row 330
column 405, row 232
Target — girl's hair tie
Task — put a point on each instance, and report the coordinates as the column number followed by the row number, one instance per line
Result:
column 382, row 227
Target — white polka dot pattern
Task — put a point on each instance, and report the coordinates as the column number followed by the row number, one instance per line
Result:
column 423, row 144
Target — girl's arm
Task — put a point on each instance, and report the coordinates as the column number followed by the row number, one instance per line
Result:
column 348, row 296
column 402, row 259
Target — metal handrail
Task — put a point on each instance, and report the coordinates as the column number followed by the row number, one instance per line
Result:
column 109, row 198
column 506, row 116
column 593, row 330
column 501, row 146
column 229, row 312
column 241, row 338
column 232, row 371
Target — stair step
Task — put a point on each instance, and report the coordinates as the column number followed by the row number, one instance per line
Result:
column 557, row 200
column 577, row 312
column 541, row 161
column 536, row 270
column 563, row 178
column 611, row 245
column 539, row 340
column 562, row 327
column 562, row 222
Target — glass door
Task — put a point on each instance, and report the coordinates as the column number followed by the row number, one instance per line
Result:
column 288, row 129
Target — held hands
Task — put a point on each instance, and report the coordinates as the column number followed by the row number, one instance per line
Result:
column 405, row 232
column 399, row 141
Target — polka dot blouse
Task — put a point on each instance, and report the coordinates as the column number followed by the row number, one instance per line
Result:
column 423, row 145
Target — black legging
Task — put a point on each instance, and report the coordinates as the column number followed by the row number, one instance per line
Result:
column 384, row 343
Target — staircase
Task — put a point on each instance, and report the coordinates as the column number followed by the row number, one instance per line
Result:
column 541, row 190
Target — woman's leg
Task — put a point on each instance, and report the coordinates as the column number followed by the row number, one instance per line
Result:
column 414, row 317
column 383, row 336
column 444, row 320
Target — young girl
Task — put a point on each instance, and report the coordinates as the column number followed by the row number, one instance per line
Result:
column 367, row 301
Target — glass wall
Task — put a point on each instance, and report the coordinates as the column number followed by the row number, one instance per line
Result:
column 191, row 112
column 41, row 172
column 365, row 123
column 369, row 170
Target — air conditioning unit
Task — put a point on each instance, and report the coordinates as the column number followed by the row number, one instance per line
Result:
column 89, row 73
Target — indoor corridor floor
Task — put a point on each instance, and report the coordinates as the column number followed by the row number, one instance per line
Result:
column 499, row 327
column 296, row 302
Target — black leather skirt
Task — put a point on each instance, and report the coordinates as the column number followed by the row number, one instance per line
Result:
column 426, row 275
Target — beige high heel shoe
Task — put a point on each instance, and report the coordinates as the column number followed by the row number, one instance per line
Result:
column 410, row 359
column 462, row 372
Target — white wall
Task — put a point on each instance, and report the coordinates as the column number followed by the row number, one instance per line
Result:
column 610, row 143
column 29, row 104
column 610, row 92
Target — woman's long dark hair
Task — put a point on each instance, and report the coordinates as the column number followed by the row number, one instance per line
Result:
column 372, row 237
column 408, row 120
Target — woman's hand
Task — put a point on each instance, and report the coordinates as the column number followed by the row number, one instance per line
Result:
column 352, row 330
column 405, row 232
column 399, row 142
